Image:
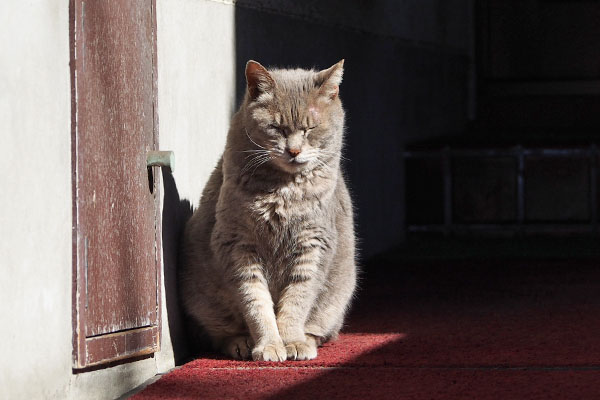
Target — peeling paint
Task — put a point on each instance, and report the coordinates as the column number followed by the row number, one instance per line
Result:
column 114, row 112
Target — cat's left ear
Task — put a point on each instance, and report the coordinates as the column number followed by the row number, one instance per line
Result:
column 258, row 78
column 329, row 80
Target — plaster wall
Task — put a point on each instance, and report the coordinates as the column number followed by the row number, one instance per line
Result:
column 196, row 79
column 35, row 200
column 196, row 99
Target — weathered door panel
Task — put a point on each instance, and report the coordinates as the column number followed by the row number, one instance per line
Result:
column 116, row 300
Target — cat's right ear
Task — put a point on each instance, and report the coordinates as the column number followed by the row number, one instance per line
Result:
column 329, row 80
column 258, row 79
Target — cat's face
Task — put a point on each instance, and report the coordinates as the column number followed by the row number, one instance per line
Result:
column 296, row 117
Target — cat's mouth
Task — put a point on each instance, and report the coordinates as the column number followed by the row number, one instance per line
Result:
column 292, row 164
column 297, row 161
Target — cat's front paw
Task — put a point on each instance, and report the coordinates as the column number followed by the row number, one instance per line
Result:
column 301, row 351
column 272, row 351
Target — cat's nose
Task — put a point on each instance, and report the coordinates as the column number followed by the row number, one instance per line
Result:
column 294, row 152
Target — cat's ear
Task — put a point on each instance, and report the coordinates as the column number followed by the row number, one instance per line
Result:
column 258, row 78
column 329, row 80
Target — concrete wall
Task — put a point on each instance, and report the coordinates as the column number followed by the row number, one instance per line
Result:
column 196, row 78
column 35, row 200
column 196, row 99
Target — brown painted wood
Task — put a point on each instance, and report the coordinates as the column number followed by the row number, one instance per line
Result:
column 116, row 346
column 116, row 246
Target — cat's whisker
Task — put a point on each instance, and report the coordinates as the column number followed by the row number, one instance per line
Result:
column 321, row 163
column 249, row 165
column 250, row 162
column 246, row 131
column 255, row 168
column 255, row 162
column 254, row 153
column 328, row 152
column 333, row 153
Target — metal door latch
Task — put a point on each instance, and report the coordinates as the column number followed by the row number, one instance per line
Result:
column 161, row 159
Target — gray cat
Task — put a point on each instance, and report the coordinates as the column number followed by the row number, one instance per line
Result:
column 268, row 265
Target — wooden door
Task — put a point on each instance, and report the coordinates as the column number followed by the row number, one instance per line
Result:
column 116, row 298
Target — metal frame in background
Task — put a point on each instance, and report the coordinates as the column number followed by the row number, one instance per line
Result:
column 520, row 153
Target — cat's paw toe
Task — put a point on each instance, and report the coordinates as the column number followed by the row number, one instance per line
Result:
column 301, row 351
column 239, row 347
column 269, row 352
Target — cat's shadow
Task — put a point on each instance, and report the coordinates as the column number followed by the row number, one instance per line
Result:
column 175, row 214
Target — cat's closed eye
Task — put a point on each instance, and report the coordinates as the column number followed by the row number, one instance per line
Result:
column 278, row 128
column 307, row 130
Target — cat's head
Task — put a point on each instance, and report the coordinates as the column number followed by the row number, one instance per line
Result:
column 293, row 117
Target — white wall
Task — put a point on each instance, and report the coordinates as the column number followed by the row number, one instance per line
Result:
column 196, row 98
column 196, row 95
column 35, row 199
column 196, row 79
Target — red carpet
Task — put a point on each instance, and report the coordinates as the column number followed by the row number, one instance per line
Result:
column 485, row 330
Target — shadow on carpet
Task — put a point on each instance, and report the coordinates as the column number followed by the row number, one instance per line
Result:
column 435, row 330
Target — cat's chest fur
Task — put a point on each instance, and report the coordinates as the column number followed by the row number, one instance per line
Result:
column 280, row 219
column 304, row 198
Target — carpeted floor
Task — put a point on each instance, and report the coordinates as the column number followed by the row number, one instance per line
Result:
column 435, row 330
